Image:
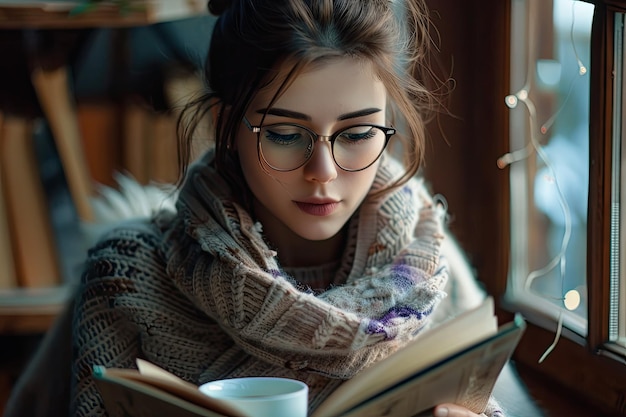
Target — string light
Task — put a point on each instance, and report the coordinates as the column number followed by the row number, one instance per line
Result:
column 571, row 299
column 511, row 101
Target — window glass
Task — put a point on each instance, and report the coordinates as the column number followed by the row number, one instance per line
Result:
column 549, row 158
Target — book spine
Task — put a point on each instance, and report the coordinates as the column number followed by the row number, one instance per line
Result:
column 163, row 153
column 100, row 133
column 8, row 278
column 53, row 90
column 135, row 141
column 32, row 236
column 150, row 152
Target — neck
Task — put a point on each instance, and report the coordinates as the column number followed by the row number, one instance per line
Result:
column 298, row 252
column 295, row 251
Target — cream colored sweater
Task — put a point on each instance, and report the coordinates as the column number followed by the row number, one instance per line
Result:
column 198, row 292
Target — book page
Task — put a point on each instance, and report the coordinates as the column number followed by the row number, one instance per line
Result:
column 149, row 369
column 126, row 397
column 171, row 388
column 466, row 379
column 430, row 347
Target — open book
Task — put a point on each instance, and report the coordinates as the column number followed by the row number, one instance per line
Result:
column 458, row 361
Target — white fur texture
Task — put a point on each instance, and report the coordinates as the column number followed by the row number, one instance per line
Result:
column 130, row 200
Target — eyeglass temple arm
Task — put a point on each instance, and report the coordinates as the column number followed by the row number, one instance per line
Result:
column 253, row 129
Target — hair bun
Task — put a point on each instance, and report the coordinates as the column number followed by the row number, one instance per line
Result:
column 217, row 7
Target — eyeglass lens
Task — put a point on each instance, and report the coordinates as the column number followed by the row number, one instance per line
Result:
column 286, row 147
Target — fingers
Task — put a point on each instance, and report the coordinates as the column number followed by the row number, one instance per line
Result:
column 453, row 410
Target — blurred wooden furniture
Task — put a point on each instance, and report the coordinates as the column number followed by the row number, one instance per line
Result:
column 40, row 23
column 33, row 311
column 18, row 14
column 50, row 30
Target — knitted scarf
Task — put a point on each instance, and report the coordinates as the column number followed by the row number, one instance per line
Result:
column 222, row 263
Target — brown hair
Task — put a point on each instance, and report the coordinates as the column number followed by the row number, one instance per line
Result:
column 252, row 38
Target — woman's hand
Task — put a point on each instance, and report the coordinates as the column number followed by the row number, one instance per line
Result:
column 453, row 410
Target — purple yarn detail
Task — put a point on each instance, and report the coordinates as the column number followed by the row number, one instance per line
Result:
column 405, row 277
column 275, row 273
column 383, row 324
column 401, row 277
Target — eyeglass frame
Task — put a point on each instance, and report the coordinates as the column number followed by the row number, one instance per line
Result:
column 387, row 131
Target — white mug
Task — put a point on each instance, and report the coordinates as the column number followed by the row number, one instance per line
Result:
column 261, row 396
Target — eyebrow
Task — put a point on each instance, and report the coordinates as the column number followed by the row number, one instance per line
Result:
column 275, row 111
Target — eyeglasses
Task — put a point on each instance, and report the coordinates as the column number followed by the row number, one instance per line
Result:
column 288, row 146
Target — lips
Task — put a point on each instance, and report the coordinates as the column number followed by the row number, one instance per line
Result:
column 318, row 209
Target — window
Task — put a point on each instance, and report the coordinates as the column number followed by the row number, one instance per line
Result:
column 587, row 363
column 567, row 186
column 549, row 161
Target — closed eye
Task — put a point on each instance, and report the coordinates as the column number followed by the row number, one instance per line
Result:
column 283, row 135
column 358, row 134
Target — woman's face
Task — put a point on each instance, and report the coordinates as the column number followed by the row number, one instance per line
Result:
column 315, row 201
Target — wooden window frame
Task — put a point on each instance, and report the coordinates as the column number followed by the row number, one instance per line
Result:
column 461, row 165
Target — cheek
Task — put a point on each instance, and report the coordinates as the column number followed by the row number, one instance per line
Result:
column 365, row 179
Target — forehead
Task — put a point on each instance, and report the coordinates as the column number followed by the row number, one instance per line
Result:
column 327, row 89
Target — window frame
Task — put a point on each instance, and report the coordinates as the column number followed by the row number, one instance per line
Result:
column 599, row 376
column 478, row 193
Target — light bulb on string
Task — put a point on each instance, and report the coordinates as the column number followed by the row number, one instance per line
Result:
column 511, row 101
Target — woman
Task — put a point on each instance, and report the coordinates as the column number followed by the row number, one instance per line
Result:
column 299, row 247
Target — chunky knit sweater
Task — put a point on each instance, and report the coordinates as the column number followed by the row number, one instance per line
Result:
column 198, row 292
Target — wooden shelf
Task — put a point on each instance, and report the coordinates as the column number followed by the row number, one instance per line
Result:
column 29, row 311
column 17, row 14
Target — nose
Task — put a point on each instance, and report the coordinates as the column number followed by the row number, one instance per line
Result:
column 321, row 166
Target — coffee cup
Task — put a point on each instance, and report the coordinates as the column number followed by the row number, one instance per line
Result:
column 261, row 396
